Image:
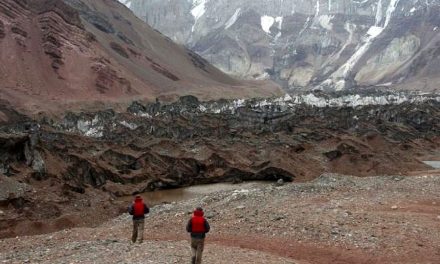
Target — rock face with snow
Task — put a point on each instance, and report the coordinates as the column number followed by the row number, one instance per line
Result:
column 329, row 44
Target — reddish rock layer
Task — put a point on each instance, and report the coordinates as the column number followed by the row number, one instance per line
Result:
column 59, row 55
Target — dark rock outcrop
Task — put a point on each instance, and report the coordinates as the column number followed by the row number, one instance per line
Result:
column 93, row 17
column 119, row 49
column 12, row 150
column 2, row 30
column 107, row 79
column 12, row 192
column 333, row 154
column 66, row 22
column 164, row 72
column 184, row 121
column 341, row 149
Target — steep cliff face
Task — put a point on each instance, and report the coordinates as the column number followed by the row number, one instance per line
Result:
column 58, row 55
column 329, row 44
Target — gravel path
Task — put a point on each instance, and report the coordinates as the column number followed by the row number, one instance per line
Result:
column 335, row 219
column 82, row 246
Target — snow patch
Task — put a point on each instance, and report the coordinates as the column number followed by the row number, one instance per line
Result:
column 316, row 16
column 233, row 19
column 202, row 108
column 127, row 3
column 350, row 28
column 360, row 2
column 435, row 29
column 287, row 101
column 198, row 11
column 90, row 128
column 325, row 22
column 317, row 8
column 374, row 31
column 379, row 13
column 355, row 100
column 264, row 76
column 306, row 25
column 391, row 8
column 293, row 10
column 266, row 23
column 372, row 34
column 385, row 84
column 130, row 126
column 95, row 132
column 279, row 21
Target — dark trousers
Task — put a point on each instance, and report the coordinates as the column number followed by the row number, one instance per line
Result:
column 197, row 246
column 138, row 230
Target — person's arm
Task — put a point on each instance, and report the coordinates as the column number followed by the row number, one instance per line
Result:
column 146, row 209
column 207, row 227
column 189, row 226
column 130, row 209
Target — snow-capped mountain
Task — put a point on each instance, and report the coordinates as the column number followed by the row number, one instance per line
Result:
column 309, row 43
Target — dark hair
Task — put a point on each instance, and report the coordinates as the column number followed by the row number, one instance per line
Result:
column 199, row 209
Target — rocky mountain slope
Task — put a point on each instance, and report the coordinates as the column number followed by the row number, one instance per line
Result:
column 58, row 55
column 334, row 219
column 304, row 44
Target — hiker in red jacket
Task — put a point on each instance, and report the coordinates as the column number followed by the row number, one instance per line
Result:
column 138, row 210
column 198, row 226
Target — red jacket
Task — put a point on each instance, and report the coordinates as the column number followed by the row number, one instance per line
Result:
column 138, row 209
column 198, row 226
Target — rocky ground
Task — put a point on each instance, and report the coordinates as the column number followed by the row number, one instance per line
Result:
column 333, row 219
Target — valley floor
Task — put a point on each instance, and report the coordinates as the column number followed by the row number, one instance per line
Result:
column 334, row 219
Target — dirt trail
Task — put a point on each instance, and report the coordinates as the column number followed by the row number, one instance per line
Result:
column 111, row 245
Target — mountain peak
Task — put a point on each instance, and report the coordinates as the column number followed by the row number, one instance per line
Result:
column 324, row 44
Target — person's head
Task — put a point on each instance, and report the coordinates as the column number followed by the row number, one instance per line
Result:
column 138, row 198
column 198, row 211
